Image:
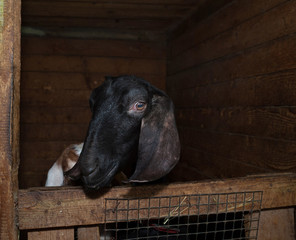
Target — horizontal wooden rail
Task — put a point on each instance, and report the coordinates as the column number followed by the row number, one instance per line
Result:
column 70, row 206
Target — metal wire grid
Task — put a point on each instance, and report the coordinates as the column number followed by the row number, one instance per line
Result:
column 197, row 216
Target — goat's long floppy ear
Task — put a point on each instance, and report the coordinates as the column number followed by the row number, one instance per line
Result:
column 159, row 145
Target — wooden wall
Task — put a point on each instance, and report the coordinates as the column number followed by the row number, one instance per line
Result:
column 232, row 76
column 230, row 69
column 57, row 77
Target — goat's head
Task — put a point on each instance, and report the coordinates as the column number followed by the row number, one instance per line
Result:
column 130, row 118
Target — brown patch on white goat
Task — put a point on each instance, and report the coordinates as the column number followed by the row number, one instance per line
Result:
column 67, row 160
column 69, row 157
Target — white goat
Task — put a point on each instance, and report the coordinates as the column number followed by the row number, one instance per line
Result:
column 55, row 175
column 69, row 157
column 67, row 160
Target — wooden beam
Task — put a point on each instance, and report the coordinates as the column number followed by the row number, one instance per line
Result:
column 106, row 65
column 103, row 10
column 123, row 24
column 9, row 112
column 166, row 2
column 90, row 32
column 93, row 47
column 70, row 206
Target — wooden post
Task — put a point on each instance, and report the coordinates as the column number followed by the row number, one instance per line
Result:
column 9, row 115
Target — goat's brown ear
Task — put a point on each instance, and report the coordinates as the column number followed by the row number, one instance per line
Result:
column 159, row 145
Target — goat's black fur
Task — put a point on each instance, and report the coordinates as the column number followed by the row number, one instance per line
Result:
column 132, row 124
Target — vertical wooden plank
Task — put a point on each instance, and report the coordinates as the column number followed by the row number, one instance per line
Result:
column 56, row 234
column 251, row 225
column 9, row 112
column 88, row 233
column 277, row 224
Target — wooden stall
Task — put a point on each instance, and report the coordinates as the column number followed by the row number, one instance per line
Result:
column 48, row 212
column 229, row 67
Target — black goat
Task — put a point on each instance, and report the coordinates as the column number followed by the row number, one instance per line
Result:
column 132, row 125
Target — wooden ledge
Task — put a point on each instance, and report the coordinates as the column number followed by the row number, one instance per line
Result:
column 70, row 206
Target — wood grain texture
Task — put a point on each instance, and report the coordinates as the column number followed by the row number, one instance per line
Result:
column 59, row 97
column 88, row 233
column 54, row 132
column 269, row 122
column 103, row 10
column 274, row 89
column 266, row 59
column 117, row 66
column 59, row 115
column 51, row 81
column 247, row 34
column 175, row 2
column 199, row 164
column 131, row 27
column 264, row 153
column 121, row 15
column 9, row 112
column 203, row 9
column 58, row 234
column 92, row 47
column 277, row 224
column 49, row 207
column 233, row 87
column 228, row 17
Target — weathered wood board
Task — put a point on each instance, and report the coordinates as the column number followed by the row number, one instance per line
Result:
column 233, row 85
column 62, row 207
column 59, row 234
column 9, row 112
column 277, row 224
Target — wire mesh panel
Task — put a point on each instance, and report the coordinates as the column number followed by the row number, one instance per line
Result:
column 196, row 216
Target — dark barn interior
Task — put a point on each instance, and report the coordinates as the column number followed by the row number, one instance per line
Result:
column 229, row 67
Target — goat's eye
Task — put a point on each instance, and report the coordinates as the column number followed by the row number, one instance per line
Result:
column 138, row 107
